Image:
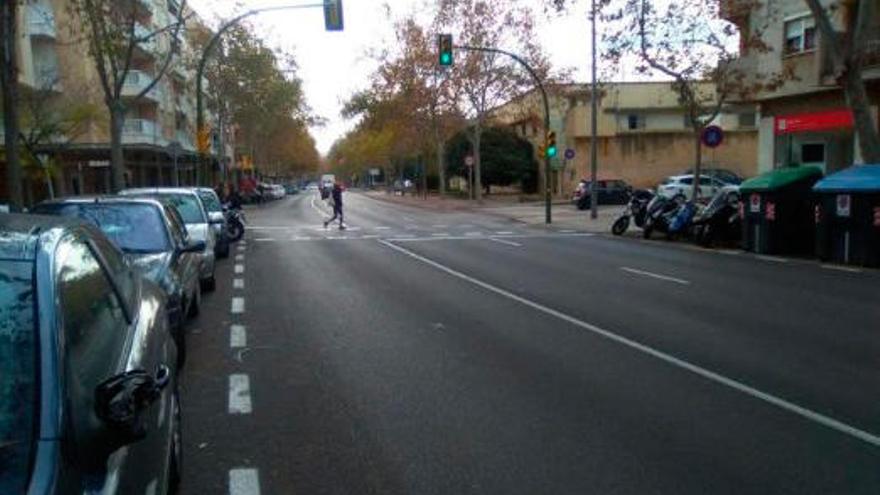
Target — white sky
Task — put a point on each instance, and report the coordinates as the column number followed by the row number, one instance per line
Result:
column 334, row 65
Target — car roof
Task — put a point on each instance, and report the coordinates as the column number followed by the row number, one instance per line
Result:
column 159, row 190
column 101, row 200
column 20, row 233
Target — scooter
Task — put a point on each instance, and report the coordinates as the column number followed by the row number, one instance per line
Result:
column 636, row 210
column 660, row 212
column 235, row 221
column 720, row 220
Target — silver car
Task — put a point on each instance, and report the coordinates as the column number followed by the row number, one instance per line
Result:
column 198, row 223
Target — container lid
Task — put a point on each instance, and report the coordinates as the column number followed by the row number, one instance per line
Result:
column 860, row 178
column 781, row 177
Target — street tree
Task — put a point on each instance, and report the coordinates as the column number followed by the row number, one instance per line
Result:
column 848, row 48
column 487, row 80
column 117, row 38
column 507, row 158
column 9, row 87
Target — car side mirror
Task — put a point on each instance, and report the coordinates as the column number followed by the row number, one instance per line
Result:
column 120, row 403
column 194, row 247
column 216, row 217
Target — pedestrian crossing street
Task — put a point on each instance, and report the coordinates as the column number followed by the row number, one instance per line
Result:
column 409, row 232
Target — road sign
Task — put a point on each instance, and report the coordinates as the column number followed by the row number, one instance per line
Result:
column 755, row 203
column 203, row 139
column 712, row 136
column 469, row 161
column 333, row 15
column 569, row 154
column 843, row 205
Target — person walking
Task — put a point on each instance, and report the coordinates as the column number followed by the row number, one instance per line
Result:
column 336, row 201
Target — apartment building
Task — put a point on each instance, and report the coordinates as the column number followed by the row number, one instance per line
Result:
column 643, row 134
column 159, row 130
column 804, row 121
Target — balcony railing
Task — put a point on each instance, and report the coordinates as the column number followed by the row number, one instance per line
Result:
column 136, row 81
column 40, row 21
column 142, row 131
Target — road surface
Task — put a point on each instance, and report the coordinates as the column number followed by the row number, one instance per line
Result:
column 422, row 352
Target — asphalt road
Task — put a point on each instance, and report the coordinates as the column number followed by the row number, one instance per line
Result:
column 422, row 352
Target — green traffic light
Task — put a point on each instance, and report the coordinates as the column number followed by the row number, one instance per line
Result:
column 551, row 152
column 445, row 59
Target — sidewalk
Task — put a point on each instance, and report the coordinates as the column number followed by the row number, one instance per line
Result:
column 564, row 214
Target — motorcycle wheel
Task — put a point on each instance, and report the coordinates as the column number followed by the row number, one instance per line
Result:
column 620, row 225
column 235, row 231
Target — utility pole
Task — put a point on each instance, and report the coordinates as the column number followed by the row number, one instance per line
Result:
column 594, row 102
column 9, row 86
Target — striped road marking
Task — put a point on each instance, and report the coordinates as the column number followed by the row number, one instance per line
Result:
column 237, row 336
column 244, row 481
column 237, row 305
column 238, row 283
column 239, row 394
column 239, row 269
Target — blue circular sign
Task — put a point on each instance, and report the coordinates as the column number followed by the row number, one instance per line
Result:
column 569, row 154
column 713, row 136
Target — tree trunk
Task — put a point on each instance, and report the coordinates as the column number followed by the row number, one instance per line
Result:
column 866, row 128
column 478, row 182
column 117, row 157
column 441, row 162
column 9, row 86
column 698, row 163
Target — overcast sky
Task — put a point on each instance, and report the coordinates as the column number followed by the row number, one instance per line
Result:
column 333, row 65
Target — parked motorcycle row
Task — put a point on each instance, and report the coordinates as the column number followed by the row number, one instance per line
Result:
column 717, row 221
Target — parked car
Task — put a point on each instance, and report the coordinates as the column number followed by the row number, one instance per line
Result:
column 291, row 189
column 722, row 174
column 214, row 207
column 87, row 366
column 198, row 225
column 610, row 192
column 153, row 238
column 278, row 191
column 681, row 187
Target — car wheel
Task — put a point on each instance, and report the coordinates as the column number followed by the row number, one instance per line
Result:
column 223, row 253
column 195, row 307
column 175, row 456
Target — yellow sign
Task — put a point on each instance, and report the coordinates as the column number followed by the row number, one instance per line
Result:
column 203, row 139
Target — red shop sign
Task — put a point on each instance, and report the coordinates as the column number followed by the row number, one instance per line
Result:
column 814, row 121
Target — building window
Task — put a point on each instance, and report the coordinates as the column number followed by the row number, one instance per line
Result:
column 635, row 121
column 747, row 119
column 800, row 35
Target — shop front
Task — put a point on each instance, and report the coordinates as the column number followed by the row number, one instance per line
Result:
column 823, row 139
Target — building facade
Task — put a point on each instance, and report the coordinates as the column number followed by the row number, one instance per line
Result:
column 643, row 134
column 159, row 134
column 805, row 120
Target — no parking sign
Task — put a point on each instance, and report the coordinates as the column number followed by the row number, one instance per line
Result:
column 755, row 203
column 843, row 205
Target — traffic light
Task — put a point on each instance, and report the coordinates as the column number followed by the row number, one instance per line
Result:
column 444, row 43
column 551, row 144
column 333, row 15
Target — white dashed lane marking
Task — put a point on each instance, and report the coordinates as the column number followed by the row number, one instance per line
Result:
column 239, row 269
column 244, row 481
column 237, row 336
column 240, row 394
column 238, row 283
column 237, row 305
column 239, row 257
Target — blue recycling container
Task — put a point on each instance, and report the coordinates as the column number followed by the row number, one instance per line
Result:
column 848, row 216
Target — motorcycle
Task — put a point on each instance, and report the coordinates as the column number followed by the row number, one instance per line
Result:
column 660, row 212
column 636, row 211
column 235, row 222
column 720, row 220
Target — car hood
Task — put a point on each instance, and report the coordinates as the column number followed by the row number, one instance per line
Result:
column 153, row 265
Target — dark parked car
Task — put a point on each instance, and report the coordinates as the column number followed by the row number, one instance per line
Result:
column 87, row 366
column 610, row 192
column 214, row 207
column 188, row 203
column 153, row 237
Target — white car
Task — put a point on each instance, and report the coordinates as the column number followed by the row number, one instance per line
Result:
column 682, row 186
column 278, row 191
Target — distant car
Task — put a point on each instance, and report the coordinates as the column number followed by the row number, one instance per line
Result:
column 153, row 238
column 681, row 187
column 190, row 207
column 87, row 366
column 291, row 189
column 610, row 192
column 312, row 186
column 214, row 207
column 722, row 174
column 278, row 191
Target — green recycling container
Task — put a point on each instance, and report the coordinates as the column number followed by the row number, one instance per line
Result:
column 777, row 211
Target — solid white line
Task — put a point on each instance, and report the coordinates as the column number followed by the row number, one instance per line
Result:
column 239, row 269
column 848, row 269
column 776, row 259
column 240, row 394
column 655, row 275
column 504, row 232
column 237, row 305
column 244, row 481
column 238, row 283
column 237, row 336
column 663, row 356
column 265, row 239
column 502, row 241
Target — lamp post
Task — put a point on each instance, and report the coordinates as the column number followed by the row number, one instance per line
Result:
column 594, row 103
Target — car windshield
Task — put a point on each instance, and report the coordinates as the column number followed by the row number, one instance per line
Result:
column 18, row 375
column 188, row 206
column 209, row 199
column 134, row 228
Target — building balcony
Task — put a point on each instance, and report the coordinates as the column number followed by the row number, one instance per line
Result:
column 40, row 21
column 142, row 32
column 142, row 131
column 136, row 82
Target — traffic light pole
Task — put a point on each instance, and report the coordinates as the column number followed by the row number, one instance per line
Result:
column 203, row 61
column 548, row 199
